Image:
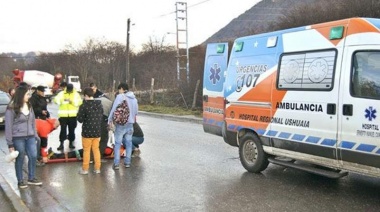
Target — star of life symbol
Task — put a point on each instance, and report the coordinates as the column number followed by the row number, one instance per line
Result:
column 318, row 70
column 291, row 71
column 370, row 113
column 215, row 74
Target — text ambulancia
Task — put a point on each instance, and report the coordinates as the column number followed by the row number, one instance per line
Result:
column 308, row 94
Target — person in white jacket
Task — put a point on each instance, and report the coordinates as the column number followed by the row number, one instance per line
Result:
column 126, row 130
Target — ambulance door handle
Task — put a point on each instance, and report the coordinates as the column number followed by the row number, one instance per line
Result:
column 205, row 98
column 348, row 109
column 331, row 109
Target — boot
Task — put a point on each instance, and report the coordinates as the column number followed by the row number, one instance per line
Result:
column 44, row 151
column 44, row 154
column 60, row 148
column 50, row 153
column 71, row 146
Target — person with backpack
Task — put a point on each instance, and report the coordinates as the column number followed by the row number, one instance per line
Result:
column 123, row 115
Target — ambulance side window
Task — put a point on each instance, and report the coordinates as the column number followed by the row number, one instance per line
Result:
column 302, row 71
column 365, row 75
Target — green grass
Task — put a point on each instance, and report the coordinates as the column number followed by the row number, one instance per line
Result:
column 169, row 110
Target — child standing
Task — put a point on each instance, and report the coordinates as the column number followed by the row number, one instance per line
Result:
column 90, row 114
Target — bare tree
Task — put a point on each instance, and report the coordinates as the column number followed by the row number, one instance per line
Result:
column 8, row 64
column 156, row 60
column 6, row 83
column 325, row 10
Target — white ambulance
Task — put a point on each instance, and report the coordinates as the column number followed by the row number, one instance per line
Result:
column 306, row 97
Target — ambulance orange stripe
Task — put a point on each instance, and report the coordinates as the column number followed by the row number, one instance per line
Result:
column 260, row 93
column 216, row 103
column 357, row 25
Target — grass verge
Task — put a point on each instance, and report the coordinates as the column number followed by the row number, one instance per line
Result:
column 170, row 110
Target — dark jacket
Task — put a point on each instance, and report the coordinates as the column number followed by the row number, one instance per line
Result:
column 137, row 131
column 39, row 104
column 98, row 94
column 90, row 114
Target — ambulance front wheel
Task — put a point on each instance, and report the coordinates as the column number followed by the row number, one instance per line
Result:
column 252, row 156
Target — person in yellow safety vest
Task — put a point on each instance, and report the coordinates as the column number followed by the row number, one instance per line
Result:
column 69, row 101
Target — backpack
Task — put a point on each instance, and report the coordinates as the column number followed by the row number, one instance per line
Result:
column 121, row 113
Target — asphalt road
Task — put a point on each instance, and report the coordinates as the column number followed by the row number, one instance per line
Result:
column 181, row 168
column 6, row 204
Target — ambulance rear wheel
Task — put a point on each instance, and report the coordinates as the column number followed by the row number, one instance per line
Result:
column 252, row 156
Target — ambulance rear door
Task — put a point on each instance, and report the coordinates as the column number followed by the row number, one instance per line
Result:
column 216, row 61
column 360, row 107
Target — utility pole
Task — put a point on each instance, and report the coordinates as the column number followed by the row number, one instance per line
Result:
column 177, row 45
column 182, row 40
column 127, row 74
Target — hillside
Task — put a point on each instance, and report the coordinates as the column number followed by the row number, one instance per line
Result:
column 257, row 19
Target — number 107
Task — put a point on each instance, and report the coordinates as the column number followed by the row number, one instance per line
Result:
column 248, row 80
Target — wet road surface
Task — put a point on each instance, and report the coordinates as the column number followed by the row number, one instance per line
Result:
column 181, row 168
column 6, row 205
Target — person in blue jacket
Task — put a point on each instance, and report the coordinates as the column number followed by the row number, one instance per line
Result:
column 126, row 130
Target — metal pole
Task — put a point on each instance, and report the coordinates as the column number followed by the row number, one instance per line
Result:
column 127, row 74
column 187, row 48
column 178, row 70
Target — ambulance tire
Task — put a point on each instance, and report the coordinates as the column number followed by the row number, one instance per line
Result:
column 251, row 153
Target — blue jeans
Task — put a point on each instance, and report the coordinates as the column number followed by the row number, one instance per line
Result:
column 123, row 134
column 25, row 145
column 136, row 141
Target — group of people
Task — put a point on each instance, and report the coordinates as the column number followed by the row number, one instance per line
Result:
column 29, row 122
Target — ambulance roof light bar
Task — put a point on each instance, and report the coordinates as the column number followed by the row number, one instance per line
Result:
column 336, row 32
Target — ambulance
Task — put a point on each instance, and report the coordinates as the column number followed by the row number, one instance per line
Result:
column 305, row 97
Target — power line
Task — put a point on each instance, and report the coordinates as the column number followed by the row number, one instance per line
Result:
column 193, row 5
column 198, row 3
column 256, row 8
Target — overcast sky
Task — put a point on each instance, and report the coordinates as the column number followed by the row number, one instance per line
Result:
column 49, row 25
